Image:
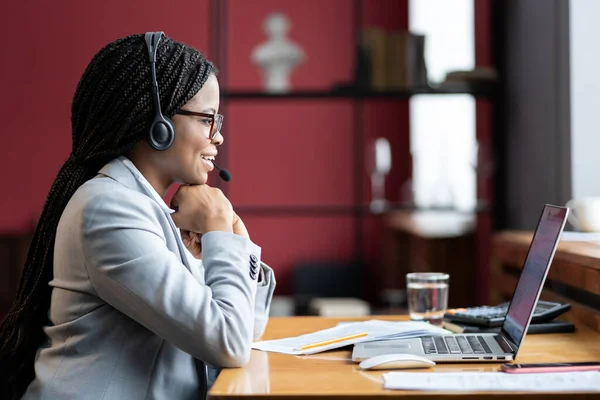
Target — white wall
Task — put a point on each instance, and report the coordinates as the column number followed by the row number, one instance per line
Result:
column 585, row 97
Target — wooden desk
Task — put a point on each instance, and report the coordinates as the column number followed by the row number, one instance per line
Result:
column 333, row 374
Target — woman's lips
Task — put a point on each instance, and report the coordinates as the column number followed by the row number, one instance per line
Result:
column 208, row 164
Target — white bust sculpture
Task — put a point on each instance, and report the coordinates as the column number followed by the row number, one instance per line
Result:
column 278, row 55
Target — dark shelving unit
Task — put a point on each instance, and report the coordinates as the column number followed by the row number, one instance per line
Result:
column 354, row 94
column 300, row 210
column 358, row 96
column 331, row 209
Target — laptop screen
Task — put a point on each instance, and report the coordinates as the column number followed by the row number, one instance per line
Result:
column 533, row 275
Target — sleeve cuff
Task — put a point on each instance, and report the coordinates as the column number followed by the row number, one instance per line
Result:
column 219, row 240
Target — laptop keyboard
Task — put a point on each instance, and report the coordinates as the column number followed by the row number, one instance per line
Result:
column 455, row 344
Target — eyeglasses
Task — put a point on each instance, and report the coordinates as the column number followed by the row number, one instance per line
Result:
column 216, row 121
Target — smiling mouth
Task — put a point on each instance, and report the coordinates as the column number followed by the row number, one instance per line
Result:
column 209, row 161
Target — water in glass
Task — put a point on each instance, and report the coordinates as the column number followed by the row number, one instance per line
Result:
column 427, row 301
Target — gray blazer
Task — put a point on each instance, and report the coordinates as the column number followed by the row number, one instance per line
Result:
column 135, row 315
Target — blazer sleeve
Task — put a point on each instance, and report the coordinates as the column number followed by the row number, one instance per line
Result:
column 132, row 269
column 264, row 295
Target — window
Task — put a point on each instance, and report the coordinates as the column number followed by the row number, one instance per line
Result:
column 442, row 128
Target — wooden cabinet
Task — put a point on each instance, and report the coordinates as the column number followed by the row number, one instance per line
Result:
column 431, row 241
column 574, row 275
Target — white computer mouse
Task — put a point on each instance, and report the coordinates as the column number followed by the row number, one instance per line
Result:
column 396, row 361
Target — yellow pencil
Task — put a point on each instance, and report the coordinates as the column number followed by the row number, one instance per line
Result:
column 337, row 340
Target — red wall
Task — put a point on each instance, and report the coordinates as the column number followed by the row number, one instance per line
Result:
column 46, row 47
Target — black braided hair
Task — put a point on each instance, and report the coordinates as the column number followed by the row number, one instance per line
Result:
column 112, row 111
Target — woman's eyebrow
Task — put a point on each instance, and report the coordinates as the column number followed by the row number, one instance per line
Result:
column 206, row 110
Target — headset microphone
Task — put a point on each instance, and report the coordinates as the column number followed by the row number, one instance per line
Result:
column 223, row 173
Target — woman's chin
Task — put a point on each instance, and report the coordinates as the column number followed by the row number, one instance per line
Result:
column 199, row 179
column 202, row 179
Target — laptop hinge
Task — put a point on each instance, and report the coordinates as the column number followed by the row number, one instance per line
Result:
column 506, row 346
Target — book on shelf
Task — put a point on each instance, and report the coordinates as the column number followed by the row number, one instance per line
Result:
column 396, row 59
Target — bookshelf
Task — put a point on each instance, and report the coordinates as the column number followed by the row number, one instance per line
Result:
column 484, row 92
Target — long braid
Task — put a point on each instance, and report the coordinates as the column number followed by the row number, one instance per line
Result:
column 112, row 110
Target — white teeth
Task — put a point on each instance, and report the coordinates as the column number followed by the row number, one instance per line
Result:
column 209, row 158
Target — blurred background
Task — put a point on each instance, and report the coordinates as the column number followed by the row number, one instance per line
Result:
column 406, row 133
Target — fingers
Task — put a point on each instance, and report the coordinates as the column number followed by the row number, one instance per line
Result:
column 192, row 242
column 195, row 237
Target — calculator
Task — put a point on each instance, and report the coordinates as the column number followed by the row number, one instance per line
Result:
column 494, row 315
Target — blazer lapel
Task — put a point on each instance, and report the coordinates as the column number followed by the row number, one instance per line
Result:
column 122, row 170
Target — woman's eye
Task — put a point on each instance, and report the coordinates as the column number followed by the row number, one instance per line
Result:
column 207, row 121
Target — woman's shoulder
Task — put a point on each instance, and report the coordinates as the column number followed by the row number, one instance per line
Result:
column 103, row 187
column 104, row 204
column 105, row 194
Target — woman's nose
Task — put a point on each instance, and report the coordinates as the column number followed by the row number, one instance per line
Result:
column 217, row 140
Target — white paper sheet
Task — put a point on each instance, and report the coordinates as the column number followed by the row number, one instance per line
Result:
column 494, row 381
column 376, row 329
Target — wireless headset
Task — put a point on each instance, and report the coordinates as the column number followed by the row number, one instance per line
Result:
column 162, row 131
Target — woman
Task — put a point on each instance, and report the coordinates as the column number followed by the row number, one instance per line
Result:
column 114, row 301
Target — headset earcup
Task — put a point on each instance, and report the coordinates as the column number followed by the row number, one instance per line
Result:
column 162, row 133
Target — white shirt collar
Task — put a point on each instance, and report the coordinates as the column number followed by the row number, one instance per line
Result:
column 138, row 175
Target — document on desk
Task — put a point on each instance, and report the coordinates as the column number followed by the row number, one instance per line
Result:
column 588, row 381
column 345, row 334
column 390, row 330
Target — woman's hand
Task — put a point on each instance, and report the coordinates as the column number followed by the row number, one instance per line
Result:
column 201, row 209
column 238, row 226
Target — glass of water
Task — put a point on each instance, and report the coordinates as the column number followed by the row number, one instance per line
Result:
column 427, row 296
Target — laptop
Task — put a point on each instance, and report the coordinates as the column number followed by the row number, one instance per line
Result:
column 489, row 347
